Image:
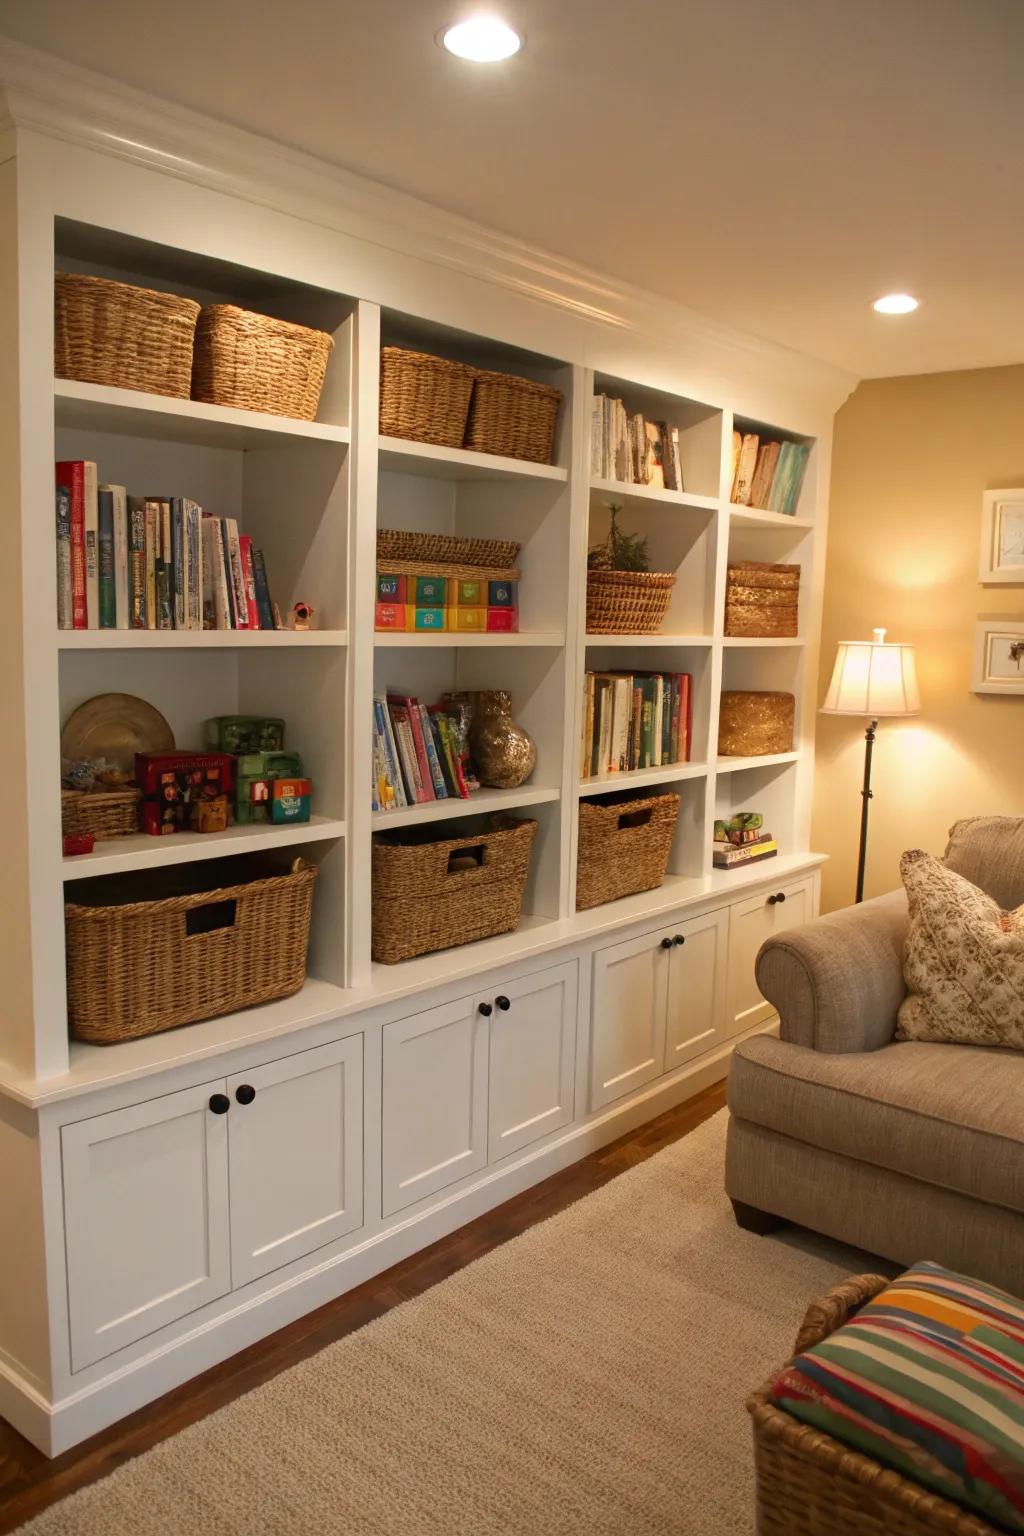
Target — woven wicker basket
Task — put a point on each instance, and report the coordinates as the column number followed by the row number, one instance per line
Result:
column 424, row 398
column 256, row 363
column 113, row 333
column 432, row 893
column 512, row 416
column 627, row 602
column 623, row 846
column 434, row 549
column 138, row 967
column 104, row 813
column 810, row 1485
column 762, row 601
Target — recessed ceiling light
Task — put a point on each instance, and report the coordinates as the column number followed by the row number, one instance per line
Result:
column 484, row 39
column 895, row 304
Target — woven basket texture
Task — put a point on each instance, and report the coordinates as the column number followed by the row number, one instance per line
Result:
column 512, row 416
column 627, row 602
column 138, row 967
column 623, row 846
column 448, row 569
column 424, row 398
column 104, row 813
column 433, row 549
column 810, row 1485
column 762, row 601
column 106, row 332
column 433, row 892
column 256, row 363
column 753, row 724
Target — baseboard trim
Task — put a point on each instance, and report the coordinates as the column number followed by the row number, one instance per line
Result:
column 74, row 1417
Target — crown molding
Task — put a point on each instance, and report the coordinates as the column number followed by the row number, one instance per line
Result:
column 42, row 94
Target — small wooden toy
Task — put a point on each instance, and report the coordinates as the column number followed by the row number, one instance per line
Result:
column 430, row 592
column 391, row 589
column 290, row 800
column 390, row 616
column 466, row 594
column 256, row 774
column 243, row 733
column 211, row 815
column 425, row 618
column 503, row 620
column 502, row 594
column 302, row 616
column 175, row 784
column 468, row 618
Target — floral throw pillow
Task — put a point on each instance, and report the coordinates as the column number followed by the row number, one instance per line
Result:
column 963, row 962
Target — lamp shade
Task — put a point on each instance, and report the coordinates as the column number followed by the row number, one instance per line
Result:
column 873, row 678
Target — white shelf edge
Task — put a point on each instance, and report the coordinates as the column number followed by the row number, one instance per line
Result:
column 769, row 760
column 483, row 801
column 101, row 399
column 640, row 776
column 756, row 517
column 766, row 642
column 206, row 639
column 595, row 641
column 121, row 855
column 404, row 639
column 624, row 491
column 401, row 455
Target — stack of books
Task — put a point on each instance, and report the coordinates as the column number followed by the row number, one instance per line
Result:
column 634, row 720
column 625, row 446
column 742, row 840
column 133, row 562
column 767, row 475
column 419, row 754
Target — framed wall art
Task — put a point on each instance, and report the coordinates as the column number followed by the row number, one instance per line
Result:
column 1002, row 537
column 998, row 656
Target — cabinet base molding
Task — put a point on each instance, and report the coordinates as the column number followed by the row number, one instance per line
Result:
column 56, row 1427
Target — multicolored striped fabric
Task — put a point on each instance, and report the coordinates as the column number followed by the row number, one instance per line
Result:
column 927, row 1379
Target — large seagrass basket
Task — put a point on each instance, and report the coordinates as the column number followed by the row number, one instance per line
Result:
column 512, row 416
column 627, row 602
column 424, row 398
column 256, row 363
column 624, row 844
column 106, row 332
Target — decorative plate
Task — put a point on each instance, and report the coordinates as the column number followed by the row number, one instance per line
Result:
column 115, row 726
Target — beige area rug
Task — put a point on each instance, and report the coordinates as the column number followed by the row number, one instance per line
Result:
column 588, row 1377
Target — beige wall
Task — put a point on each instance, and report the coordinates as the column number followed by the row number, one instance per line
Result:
column 912, row 458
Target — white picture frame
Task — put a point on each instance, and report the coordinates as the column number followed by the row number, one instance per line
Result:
column 998, row 657
column 1002, row 538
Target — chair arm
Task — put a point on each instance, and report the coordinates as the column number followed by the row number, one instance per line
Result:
column 837, row 983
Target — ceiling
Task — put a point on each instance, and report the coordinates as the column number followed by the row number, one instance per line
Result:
column 776, row 164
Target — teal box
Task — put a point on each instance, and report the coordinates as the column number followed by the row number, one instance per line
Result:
column 431, row 592
column 429, row 618
column 502, row 594
column 391, row 589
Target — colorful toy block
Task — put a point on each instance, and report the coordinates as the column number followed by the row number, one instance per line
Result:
column 466, row 594
column 391, row 589
column 468, row 618
column 390, row 616
column 503, row 620
column 429, row 592
column 425, row 618
column 502, row 594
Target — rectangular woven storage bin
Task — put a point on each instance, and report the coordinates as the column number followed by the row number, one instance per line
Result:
column 627, row 602
column 189, row 953
column 512, row 416
column 256, row 363
column 114, row 333
column 762, row 601
column 437, row 549
column 432, row 892
column 108, row 813
column 624, row 844
column 754, row 724
column 424, row 398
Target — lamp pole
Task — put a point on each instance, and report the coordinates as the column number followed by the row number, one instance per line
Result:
column 866, row 797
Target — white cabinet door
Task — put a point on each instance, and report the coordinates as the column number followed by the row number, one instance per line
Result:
column 434, row 1102
column 146, row 1218
column 627, row 1041
column 751, row 922
column 532, row 1055
column 696, row 987
column 295, row 1154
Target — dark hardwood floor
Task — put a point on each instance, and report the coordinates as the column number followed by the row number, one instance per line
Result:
column 29, row 1482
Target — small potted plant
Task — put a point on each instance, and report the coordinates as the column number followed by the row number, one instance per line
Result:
column 624, row 597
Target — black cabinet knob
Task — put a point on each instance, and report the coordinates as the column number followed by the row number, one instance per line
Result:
column 245, row 1093
column 503, row 1003
column 774, row 900
column 677, row 939
column 666, row 943
column 486, row 1010
column 220, row 1103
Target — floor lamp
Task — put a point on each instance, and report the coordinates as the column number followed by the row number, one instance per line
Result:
column 872, row 679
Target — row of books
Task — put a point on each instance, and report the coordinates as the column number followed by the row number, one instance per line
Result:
column 625, row 446
column 634, row 720
column 741, row 840
column 134, row 562
column 767, row 475
column 419, row 754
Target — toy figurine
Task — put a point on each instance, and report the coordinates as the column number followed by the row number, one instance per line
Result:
column 302, row 616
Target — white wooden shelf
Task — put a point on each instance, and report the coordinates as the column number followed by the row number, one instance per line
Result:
column 484, row 800
column 197, row 640
column 102, row 408
column 121, row 855
column 754, row 517
column 766, row 643
column 644, row 495
column 636, row 777
column 766, row 872
column 769, row 760
column 408, row 458
column 441, row 639
column 594, row 641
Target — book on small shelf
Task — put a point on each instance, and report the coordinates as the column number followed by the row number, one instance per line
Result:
column 634, row 720
column 152, row 562
column 419, row 754
column 767, row 474
column 742, row 840
column 626, row 446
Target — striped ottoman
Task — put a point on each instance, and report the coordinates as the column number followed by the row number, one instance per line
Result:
column 901, row 1413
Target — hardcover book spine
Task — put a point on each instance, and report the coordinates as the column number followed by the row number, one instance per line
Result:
column 105, row 560
column 92, row 545
column 178, row 568
column 218, row 576
column 164, row 568
column 71, row 474
column 391, row 751
column 152, row 552
column 122, row 601
column 65, row 607
column 433, row 765
column 137, row 562
column 239, row 603
column 407, row 753
column 425, row 776
column 263, row 600
column 249, row 580
column 194, row 553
